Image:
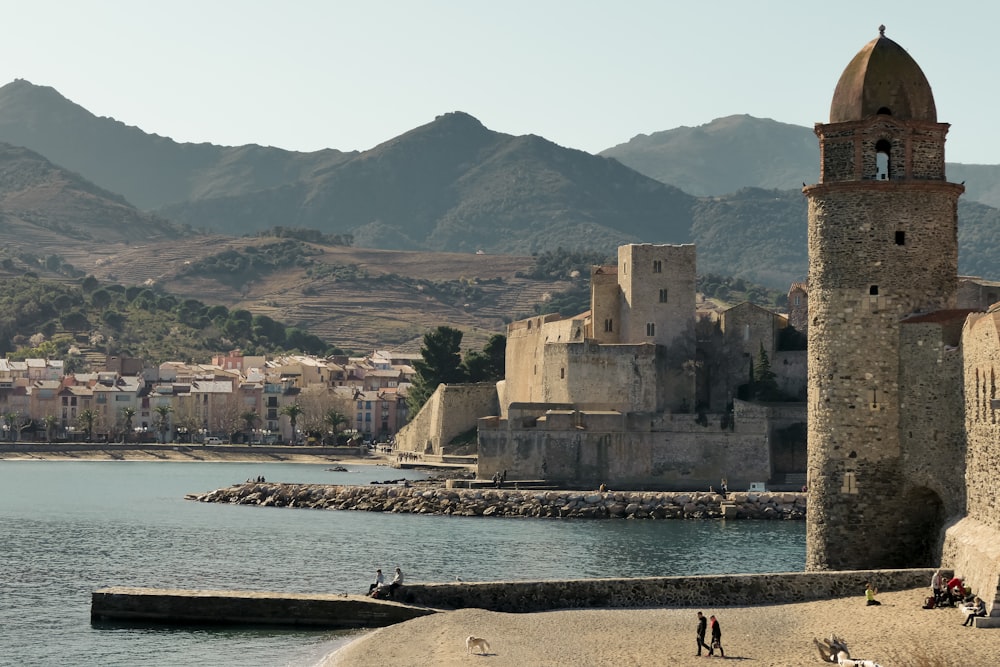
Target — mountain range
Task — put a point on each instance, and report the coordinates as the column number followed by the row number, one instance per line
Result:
column 70, row 181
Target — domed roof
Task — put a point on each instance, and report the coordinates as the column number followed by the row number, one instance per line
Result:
column 882, row 78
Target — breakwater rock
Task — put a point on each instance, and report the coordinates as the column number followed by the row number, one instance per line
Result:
column 513, row 502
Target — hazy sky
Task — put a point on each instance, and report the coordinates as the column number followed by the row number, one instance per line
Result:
column 312, row 74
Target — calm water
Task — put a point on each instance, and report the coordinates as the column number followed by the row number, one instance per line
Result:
column 67, row 528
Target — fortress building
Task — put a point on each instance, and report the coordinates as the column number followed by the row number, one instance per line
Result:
column 902, row 402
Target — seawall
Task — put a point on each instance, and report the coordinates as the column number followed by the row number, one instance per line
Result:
column 513, row 502
column 181, row 606
column 720, row 590
column 150, row 605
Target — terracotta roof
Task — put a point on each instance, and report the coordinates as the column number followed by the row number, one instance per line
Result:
column 940, row 316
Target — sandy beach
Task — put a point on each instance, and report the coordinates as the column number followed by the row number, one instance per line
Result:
column 896, row 634
column 192, row 453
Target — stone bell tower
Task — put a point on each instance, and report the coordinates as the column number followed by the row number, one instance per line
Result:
column 883, row 245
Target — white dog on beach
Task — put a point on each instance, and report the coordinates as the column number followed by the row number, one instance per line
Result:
column 480, row 644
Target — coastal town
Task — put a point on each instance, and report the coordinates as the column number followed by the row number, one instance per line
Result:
column 233, row 399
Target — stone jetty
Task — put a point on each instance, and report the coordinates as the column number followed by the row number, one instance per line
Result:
column 513, row 502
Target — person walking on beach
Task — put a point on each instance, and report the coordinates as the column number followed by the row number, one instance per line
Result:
column 716, row 637
column 379, row 580
column 702, row 625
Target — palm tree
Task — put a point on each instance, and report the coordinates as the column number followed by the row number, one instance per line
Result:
column 250, row 419
column 51, row 421
column 127, row 415
column 163, row 420
column 86, row 421
column 334, row 420
column 293, row 412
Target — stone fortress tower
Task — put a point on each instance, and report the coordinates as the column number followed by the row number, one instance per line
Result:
column 883, row 251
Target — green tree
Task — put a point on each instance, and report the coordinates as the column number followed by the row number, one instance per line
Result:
column 128, row 413
column 293, row 412
column 765, row 386
column 487, row 365
column 334, row 420
column 100, row 298
column 75, row 320
column 440, row 363
column 85, row 420
column 250, row 420
column 163, row 420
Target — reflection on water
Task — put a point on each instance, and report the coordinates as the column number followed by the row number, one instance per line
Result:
column 72, row 527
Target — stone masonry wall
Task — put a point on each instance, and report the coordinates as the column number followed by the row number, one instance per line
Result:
column 932, row 412
column 658, row 288
column 878, row 252
column 688, row 591
column 450, row 411
column 583, row 457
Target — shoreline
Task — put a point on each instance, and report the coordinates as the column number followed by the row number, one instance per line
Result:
column 180, row 453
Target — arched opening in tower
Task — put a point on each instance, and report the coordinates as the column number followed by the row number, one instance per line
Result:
column 882, row 162
column 921, row 522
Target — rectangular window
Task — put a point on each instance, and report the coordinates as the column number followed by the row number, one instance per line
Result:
column 797, row 300
column 650, row 329
column 900, row 238
column 562, row 373
column 850, row 483
column 657, row 266
column 609, row 325
column 663, row 296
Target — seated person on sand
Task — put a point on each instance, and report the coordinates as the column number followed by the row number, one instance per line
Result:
column 978, row 608
column 870, row 593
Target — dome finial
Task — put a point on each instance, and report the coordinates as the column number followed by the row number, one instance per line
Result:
column 881, row 31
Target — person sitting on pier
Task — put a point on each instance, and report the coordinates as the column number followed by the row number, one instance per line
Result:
column 397, row 581
column 379, row 580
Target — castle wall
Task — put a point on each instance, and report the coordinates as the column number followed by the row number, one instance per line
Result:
column 977, row 294
column 932, row 410
column 605, row 305
column 587, row 449
column 523, row 358
column 747, row 327
column 981, row 349
column 790, row 372
column 450, row 411
column 583, row 373
column 658, row 291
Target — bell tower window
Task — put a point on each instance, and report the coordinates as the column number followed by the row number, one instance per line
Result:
column 883, row 166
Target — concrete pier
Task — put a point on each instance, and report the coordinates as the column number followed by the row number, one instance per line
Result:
column 194, row 607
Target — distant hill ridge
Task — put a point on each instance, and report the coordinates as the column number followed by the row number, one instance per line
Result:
column 449, row 185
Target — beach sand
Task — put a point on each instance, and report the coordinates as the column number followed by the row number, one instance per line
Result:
column 187, row 453
column 896, row 634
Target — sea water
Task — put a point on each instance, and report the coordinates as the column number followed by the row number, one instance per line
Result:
column 68, row 528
